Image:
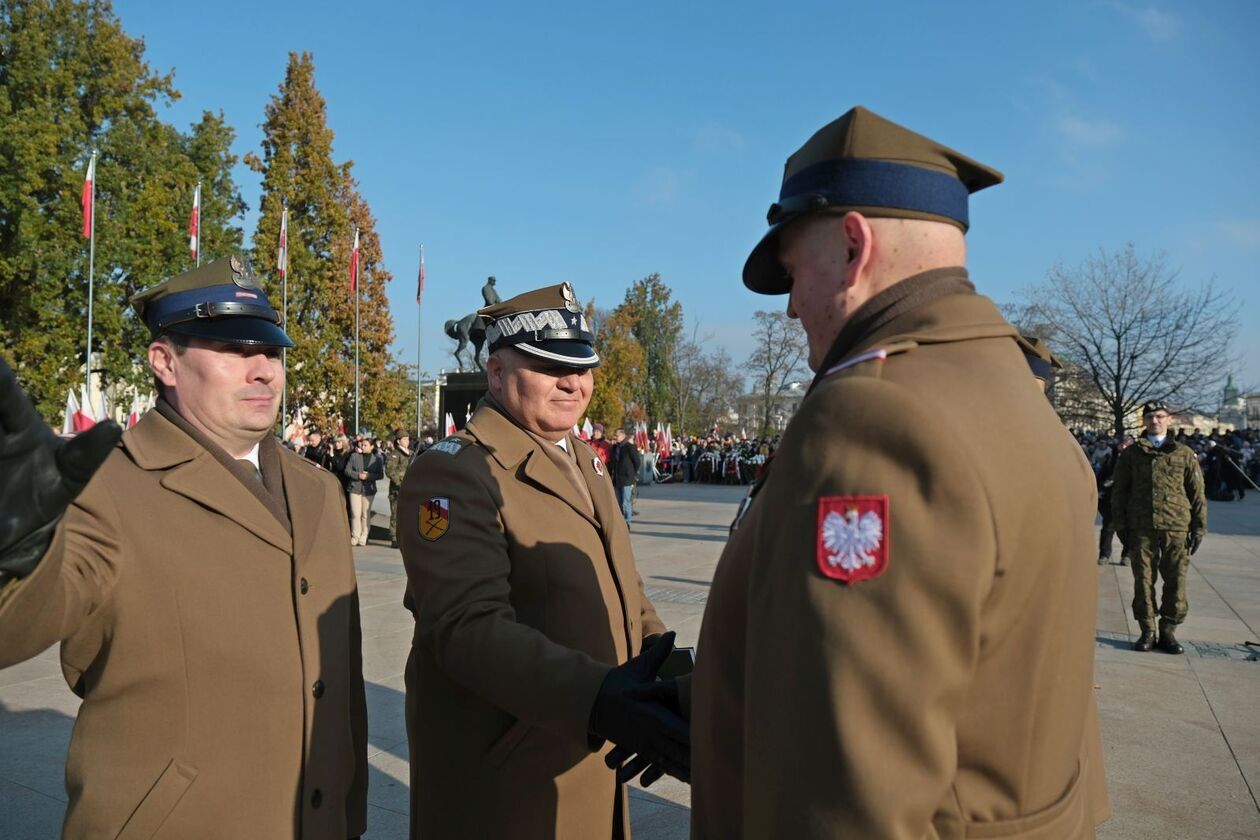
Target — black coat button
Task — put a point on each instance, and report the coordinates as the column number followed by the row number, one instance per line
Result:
column 303, row 586
column 318, row 689
column 317, row 798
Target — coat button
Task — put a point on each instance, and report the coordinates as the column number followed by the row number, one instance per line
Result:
column 317, row 798
column 303, row 586
column 318, row 689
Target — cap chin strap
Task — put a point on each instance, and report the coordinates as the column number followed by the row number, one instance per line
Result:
column 218, row 310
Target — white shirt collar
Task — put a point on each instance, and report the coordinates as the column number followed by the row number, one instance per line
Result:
column 563, row 443
column 252, row 457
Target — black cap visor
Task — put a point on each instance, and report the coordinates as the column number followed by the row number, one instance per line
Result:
column 574, row 354
column 234, row 330
column 763, row 273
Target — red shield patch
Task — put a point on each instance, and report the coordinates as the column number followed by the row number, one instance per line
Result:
column 852, row 537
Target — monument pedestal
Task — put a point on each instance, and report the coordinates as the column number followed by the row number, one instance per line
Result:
column 458, row 396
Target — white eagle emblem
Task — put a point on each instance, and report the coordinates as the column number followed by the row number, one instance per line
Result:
column 850, row 540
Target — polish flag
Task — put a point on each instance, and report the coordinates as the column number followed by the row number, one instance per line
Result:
column 669, row 437
column 136, row 412
column 88, row 200
column 354, row 264
column 660, row 438
column 588, row 431
column 84, row 415
column 450, row 424
column 72, row 408
column 420, row 282
column 194, row 225
column 282, row 256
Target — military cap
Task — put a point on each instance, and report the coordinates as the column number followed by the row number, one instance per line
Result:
column 545, row 323
column 399, row 434
column 1154, row 406
column 866, row 163
column 220, row 301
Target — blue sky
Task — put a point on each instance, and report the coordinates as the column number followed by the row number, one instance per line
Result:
column 581, row 142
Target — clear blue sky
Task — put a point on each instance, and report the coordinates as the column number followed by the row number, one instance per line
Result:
column 547, row 142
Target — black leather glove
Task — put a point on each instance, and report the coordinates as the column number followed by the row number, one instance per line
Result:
column 40, row 475
column 623, row 760
column 644, row 726
column 1193, row 541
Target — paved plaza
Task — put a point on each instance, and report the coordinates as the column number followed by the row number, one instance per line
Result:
column 1181, row 733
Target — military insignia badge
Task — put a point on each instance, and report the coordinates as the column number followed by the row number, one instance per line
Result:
column 852, row 537
column 598, row 465
column 435, row 517
column 570, row 298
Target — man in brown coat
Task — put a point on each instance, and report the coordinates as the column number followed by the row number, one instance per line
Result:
column 899, row 638
column 203, row 595
column 526, row 599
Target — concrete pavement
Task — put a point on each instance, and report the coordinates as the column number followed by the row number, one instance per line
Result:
column 1181, row 734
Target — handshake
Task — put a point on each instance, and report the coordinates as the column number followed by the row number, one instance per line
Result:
column 642, row 717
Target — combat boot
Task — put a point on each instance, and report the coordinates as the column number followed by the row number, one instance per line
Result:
column 1145, row 642
column 1168, row 642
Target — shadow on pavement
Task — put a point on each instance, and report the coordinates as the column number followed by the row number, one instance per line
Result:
column 634, row 529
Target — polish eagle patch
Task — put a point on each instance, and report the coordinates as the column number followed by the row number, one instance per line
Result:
column 435, row 517
column 852, row 537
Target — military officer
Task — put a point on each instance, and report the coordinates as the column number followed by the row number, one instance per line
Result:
column 526, row 599
column 396, row 462
column 883, row 574
column 203, row 596
column 1160, row 512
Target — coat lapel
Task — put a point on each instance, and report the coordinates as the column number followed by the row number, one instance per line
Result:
column 304, row 495
column 157, row 444
column 543, row 472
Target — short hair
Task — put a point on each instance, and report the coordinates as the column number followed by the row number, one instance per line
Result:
column 179, row 343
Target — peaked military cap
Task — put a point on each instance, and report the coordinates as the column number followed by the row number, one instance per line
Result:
column 220, row 301
column 866, row 163
column 545, row 323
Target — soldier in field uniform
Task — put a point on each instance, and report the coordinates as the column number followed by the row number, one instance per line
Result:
column 397, row 459
column 1160, row 512
column 899, row 639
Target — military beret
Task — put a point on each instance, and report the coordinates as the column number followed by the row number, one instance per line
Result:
column 545, row 323
column 866, row 163
column 220, row 301
column 1156, row 405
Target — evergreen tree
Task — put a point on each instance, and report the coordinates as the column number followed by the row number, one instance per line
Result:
column 72, row 80
column 658, row 324
column 324, row 207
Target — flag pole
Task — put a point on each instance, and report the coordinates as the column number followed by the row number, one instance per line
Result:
column 197, row 213
column 284, row 351
column 356, row 334
column 87, row 368
column 419, row 338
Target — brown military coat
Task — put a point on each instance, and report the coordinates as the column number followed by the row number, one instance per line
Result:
column 523, row 599
column 217, row 656
column 951, row 694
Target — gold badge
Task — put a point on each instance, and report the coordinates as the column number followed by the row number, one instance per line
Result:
column 435, row 518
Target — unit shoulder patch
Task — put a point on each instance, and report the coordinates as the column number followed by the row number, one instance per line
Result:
column 852, row 541
column 451, row 445
column 435, row 517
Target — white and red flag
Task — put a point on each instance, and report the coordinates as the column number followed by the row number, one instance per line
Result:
column 660, row 439
column 354, row 264
column 588, row 431
column 84, row 415
column 88, row 199
column 194, row 226
column 282, row 252
column 72, row 408
column 136, row 412
column 450, row 424
column 669, row 437
column 420, row 281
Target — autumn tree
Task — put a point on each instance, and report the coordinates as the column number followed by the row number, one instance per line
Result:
column 325, row 206
column 706, row 384
column 657, row 324
column 1135, row 332
column 777, row 360
column 72, row 80
column 621, row 366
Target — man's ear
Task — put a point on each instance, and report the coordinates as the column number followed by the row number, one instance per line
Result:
column 859, row 243
column 494, row 373
column 162, row 361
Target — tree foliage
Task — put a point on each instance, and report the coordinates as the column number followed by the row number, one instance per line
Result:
column 706, row 385
column 657, row 324
column 621, row 369
column 72, row 80
column 1134, row 332
column 777, row 360
column 325, row 206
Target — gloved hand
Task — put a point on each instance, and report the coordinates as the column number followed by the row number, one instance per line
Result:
column 40, row 475
column 1193, row 541
column 623, row 760
column 643, row 725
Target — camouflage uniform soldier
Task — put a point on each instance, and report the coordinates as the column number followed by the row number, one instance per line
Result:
column 1160, row 512
column 396, row 462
